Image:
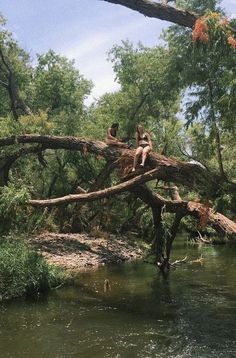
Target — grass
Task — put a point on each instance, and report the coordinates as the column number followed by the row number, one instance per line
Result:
column 23, row 272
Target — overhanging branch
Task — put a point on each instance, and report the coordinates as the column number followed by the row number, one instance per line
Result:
column 159, row 11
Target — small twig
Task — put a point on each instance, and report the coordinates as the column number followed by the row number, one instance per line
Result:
column 178, row 262
column 59, row 286
column 200, row 238
column 199, row 260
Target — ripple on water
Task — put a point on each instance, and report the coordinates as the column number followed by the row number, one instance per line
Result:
column 189, row 314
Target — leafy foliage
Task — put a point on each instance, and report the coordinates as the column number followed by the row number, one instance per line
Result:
column 23, row 271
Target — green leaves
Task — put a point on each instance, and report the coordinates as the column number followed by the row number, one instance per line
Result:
column 58, row 85
column 23, row 271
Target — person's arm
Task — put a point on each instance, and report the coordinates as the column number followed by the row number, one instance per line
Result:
column 149, row 140
column 137, row 141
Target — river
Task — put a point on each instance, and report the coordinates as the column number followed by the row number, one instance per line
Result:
column 190, row 313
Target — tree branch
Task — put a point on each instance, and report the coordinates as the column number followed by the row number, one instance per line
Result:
column 13, row 90
column 220, row 223
column 169, row 169
column 6, row 162
column 159, row 11
column 116, row 189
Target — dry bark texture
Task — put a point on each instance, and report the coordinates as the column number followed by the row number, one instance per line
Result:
column 167, row 169
column 163, row 12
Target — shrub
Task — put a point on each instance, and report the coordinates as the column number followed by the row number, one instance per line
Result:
column 23, row 271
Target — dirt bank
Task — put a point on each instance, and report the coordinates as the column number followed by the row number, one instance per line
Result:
column 81, row 251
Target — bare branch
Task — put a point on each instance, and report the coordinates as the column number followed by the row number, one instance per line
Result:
column 116, row 189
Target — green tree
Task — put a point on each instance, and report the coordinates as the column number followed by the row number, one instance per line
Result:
column 15, row 74
column 58, row 85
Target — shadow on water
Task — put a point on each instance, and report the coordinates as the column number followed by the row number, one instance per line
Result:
column 189, row 313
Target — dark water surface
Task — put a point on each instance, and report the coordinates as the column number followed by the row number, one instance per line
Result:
column 191, row 313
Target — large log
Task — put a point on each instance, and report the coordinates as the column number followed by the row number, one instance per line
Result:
column 220, row 223
column 169, row 169
column 91, row 196
column 162, row 167
column 164, row 12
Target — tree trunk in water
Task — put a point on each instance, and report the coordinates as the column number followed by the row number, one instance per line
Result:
column 171, row 236
column 158, row 245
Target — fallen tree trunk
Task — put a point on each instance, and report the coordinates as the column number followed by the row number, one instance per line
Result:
column 158, row 166
column 219, row 222
column 168, row 169
column 91, row 196
column 159, row 11
column 205, row 215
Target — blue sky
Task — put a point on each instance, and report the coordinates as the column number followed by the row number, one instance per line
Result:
column 83, row 30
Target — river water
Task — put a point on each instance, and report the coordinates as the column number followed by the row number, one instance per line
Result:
column 190, row 313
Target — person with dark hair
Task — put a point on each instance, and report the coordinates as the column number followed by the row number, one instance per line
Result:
column 111, row 138
column 144, row 146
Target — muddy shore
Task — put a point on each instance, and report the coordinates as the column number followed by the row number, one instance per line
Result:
column 82, row 251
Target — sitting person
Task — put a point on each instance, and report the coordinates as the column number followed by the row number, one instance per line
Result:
column 111, row 136
column 144, row 146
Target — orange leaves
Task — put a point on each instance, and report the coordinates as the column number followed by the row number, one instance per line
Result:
column 200, row 31
column 232, row 42
column 225, row 21
column 213, row 25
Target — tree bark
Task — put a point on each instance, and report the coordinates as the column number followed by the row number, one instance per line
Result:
column 167, row 169
column 7, row 161
column 98, row 183
column 116, row 189
column 159, row 242
column 13, row 90
column 225, row 227
column 159, row 11
column 173, row 233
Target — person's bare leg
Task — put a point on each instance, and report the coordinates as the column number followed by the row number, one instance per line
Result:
column 118, row 144
column 139, row 151
column 146, row 150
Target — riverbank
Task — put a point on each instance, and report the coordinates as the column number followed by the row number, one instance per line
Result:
column 83, row 251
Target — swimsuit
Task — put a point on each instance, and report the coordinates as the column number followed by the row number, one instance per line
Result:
column 145, row 139
column 143, row 145
column 113, row 132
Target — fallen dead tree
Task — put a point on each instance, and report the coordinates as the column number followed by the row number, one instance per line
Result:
column 169, row 169
column 158, row 167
